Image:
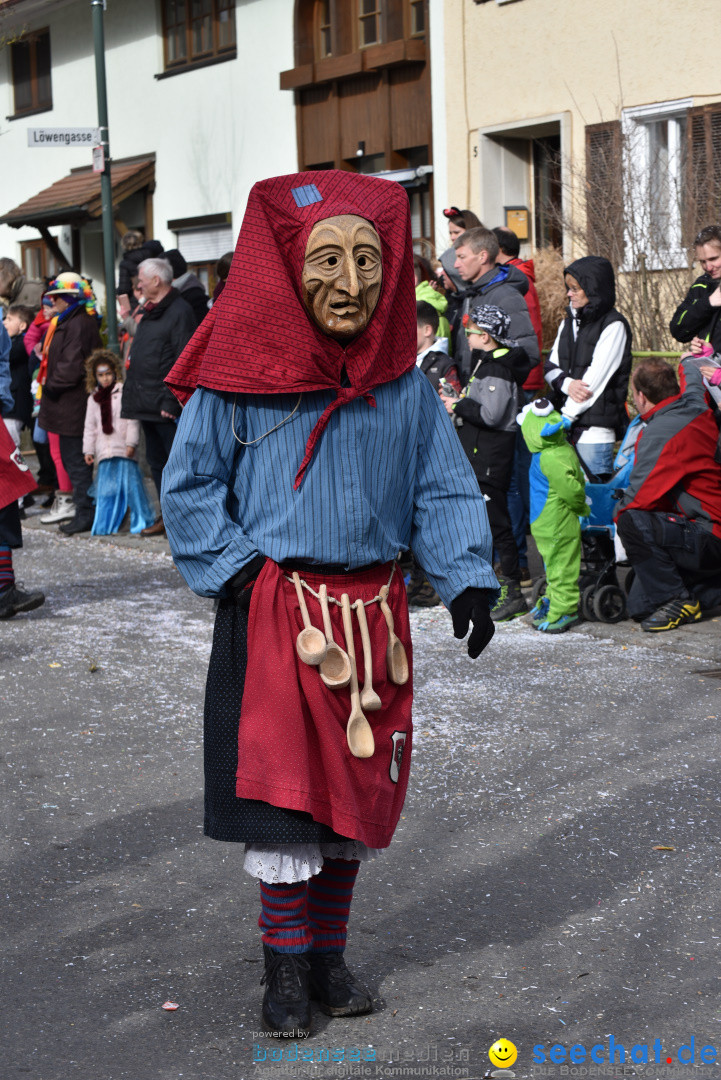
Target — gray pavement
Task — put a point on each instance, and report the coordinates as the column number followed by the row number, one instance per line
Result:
column 554, row 879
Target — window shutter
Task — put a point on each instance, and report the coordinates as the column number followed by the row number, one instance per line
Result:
column 604, row 191
column 703, row 179
column 204, row 245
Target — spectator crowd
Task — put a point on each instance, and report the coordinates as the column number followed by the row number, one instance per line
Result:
column 541, row 434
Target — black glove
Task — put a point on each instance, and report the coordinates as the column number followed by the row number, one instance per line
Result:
column 237, row 586
column 473, row 606
column 50, row 394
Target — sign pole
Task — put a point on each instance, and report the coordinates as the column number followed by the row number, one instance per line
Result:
column 106, row 188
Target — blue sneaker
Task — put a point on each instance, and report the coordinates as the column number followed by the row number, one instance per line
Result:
column 540, row 611
column 557, row 627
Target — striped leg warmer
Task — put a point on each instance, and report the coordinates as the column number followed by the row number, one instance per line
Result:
column 329, row 898
column 284, row 917
column 7, row 577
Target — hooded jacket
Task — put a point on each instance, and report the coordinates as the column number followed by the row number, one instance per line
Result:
column 695, row 317
column 191, row 289
column 506, row 287
column 558, row 491
column 578, row 336
column 489, row 409
column 675, row 469
column 425, row 291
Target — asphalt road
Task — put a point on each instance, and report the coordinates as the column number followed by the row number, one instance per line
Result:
column 554, row 879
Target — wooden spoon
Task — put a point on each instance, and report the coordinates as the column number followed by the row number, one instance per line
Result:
column 310, row 643
column 358, row 731
column 369, row 699
column 396, row 659
column 335, row 669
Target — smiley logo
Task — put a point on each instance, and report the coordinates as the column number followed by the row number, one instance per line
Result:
column 503, row 1053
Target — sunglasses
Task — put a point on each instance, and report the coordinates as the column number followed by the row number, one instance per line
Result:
column 468, row 331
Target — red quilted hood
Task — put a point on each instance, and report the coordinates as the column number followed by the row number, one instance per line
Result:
column 526, row 266
column 258, row 337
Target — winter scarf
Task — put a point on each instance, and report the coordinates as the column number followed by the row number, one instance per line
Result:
column 103, row 395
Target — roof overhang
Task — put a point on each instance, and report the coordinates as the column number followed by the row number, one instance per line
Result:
column 15, row 12
column 76, row 198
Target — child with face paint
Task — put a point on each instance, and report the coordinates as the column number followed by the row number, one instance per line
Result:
column 296, row 478
column 111, row 442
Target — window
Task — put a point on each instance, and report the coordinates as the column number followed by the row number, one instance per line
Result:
column 198, row 30
column 37, row 261
column 654, row 175
column 324, row 34
column 369, row 20
column 417, row 17
column 30, row 59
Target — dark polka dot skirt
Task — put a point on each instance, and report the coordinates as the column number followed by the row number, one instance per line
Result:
column 226, row 816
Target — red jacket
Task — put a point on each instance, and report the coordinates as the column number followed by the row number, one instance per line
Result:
column 535, row 379
column 674, row 469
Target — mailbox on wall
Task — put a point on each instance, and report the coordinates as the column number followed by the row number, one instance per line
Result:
column 517, row 219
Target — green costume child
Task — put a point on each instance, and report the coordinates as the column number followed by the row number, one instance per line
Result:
column 558, row 499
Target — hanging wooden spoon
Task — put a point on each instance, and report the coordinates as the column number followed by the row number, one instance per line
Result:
column 369, row 699
column 335, row 669
column 310, row 643
column 358, row 732
column 396, row 659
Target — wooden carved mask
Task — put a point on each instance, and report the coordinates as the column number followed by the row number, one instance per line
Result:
column 342, row 275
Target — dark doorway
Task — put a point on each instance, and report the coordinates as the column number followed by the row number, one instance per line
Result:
column 547, row 191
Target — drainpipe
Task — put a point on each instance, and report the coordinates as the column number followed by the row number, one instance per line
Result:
column 106, row 188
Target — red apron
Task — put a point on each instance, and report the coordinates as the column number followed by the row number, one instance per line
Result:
column 292, row 748
column 15, row 476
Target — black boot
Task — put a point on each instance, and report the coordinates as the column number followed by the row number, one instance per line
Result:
column 511, row 603
column 14, row 600
column 79, row 524
column 286, row 1006
column 334, row 988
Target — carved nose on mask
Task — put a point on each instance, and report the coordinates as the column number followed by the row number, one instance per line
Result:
column 347, row 279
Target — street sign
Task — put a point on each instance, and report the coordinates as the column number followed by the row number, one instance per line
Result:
column 63, row 136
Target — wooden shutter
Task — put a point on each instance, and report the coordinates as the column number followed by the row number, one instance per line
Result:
column 703, row 168
column 604, row 190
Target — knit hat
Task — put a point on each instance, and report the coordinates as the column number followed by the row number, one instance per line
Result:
column 495, row 322
column 74, row 285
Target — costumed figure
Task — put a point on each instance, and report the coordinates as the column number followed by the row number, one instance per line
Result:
column 558, row 499
column 310, row 452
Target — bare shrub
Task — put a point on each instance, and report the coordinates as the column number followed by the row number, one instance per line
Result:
column 549, row 263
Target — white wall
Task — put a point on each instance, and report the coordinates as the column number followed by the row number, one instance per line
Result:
column 215, row 131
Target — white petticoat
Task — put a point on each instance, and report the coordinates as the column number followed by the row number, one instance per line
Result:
column 288, row 863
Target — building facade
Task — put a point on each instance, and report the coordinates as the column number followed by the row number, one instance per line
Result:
column 204, row 99
column 195, row 118
column 573, row 122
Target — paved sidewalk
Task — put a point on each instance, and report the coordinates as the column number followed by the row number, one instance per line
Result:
column 554, row 878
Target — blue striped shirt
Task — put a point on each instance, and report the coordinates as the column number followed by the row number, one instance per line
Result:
column 381, row 480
